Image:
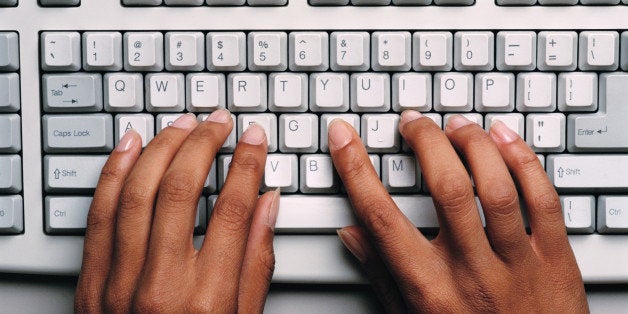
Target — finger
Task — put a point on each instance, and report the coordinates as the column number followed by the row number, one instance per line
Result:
column 542, row 203
column 494, row 186
column 448, row 182
column 222, row 253
column 356, row 241
column 181, row 187
column 135, row 211
column 101, row 220
column 396, row 238
column 259, row 259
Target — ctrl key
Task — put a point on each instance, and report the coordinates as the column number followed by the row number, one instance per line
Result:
column 612, row 214
column 66, row 215
column 11, row 214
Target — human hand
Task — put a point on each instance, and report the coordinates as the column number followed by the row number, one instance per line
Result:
column 139, row 254
column 465, row 268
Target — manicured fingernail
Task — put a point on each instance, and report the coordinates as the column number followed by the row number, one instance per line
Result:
column 219, row 116
column 340, row 134
column 274, row 208
column 457, row 122
column 127, row 141
column 409, row 115
column 353, row 245
column 186, row 121
column 502, row 133
column 254, row 135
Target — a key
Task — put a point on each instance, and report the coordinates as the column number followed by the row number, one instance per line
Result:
column 165, row 92
column 9, row 51
column 391, row 51
column 400, row 173
column 453, row 91
column 546, row 132
column 380, row 132
column 612, row 214
column 102, row 51
column 317, row 174
column 268, row 121
column 516, row 51
column 557, row 51
column 205, row 92
column 124, row 92
column 329, row 92
column 514, row 121
column 588, row 172
column 268, row 51
column 185, row 51
column 10, row 128
column 11, row 214
column 10, row 173
column 76, row 92
column 474, row 51
column 72, row 173
column 226, row 51
column 61, row 51
column 536, row 92
column 599, row 51
column 494, row 92
column 142, row 123
column 9, row 92
column 77, row 133
column 165, row 120
column 288, row 92
column 143, row 51
column 247, row 92
column 230, row 143
column 309, row 51
column 298, row 133
column 577, row 91
column 579, row 213
column 604, row 130
column 350, row 51
column 411, row 91
column 326, row 119
column 433, row 51
column 281, row 171
column 370, row 92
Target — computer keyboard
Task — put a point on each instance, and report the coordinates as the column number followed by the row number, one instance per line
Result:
column 76, row 75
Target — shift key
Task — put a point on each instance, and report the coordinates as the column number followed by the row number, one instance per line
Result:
column 76, row 133
column 588, row 172
column 72, row 173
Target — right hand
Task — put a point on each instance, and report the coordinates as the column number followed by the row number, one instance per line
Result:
column 464, row 269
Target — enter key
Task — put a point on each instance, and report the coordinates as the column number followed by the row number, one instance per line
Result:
column 588, row 172
column 606, row 130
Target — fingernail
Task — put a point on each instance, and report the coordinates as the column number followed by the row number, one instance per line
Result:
column 409, row 115
column 219, row 116
column 353, row 245
column 274, row 208
column 456, row 122
column 340, row 134
column 254, row 135
column 186, row 121
column 126, row 141
column 502, row 133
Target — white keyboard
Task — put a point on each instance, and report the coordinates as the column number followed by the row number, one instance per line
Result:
column 75, row 75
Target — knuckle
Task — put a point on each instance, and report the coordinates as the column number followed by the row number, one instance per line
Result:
column 149, row 302
column 548, row 203
column 134, row 195
column 200, row 304
column 353, row 167
column 266, row 260
column 501, row 198
column 99, row 218
column 453, row 192
column 527, row 161
column 246, row 162
column 116, row 300
column 179, row 188
column 163, row 140
column 379, row 218
column 112, row 172
column 204, row 132
column 234, row 213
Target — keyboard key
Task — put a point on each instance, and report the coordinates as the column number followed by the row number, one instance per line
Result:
column 391, row 51
column 211, row 184
column 557, row 51
column 102, row 51
column 266, row 2
column 298, row 133
column 577, row 91
column 281, row 171
column 400, row 173
column 165, row 92
column 268, row 121
column 124, row 92
column 329, row 92
column 494, row 92
column 370, row 2
column 288, row 92
column 8, row 3
column 185, row 51
column 454, row 2
column 225, row 2
column 9, row 51
column 536, row 92
column 474, row 51
column 205, row 92
column 184, row 2
column 78, row 133
column 247, row 92
column 579, row 212
column 599, row 51
column 10, row 128
column 546, row 132
column 473, row 117
column 224, row 162
column 309, row 51
column 226, row 51
column 60, row 3
column 230, row 143
column 72, row 173
column 411, row 91
column 514, row 121
column 142, row 2
column 143, row 124
column 9, row 92
column 66, row 215
column 516, row 2
column 624, row 50
column 329, row 2
column 433, row 51
column 558, row 2
column 453, row 91
column 516, row 51
column 61, row 51
column 143, row 51
column 380, row 132
column 10, row 173
column 326, row 119
column 268, row 51
column 370, row 92
column 11, row 214
column 612, row 214
column 75, row 92
column 350, row 51
column 411, row 2
column 588, row 172
column 318, row 175
column 165, row 120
